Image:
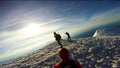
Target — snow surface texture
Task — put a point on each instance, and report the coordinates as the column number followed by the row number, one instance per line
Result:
column 93, row 52
column 107, row 32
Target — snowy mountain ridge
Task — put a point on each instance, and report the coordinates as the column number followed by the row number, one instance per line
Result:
column 107, row 32
column 92, row 52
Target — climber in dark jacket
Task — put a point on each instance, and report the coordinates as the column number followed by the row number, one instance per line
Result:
column 58, row 38
column 69, row 38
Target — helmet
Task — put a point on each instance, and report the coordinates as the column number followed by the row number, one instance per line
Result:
column 63, row 53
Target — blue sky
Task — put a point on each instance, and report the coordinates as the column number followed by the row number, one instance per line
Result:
column 26, row 26
column 16, row 11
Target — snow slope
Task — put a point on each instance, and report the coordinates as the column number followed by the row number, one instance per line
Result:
column 92, row 52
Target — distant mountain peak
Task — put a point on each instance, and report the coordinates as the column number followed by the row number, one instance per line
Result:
column 107, row 32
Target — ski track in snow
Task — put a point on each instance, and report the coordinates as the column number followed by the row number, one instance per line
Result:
column 92, row 52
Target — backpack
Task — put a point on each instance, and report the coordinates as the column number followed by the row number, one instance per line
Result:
column 71, row 64
column 58, row 36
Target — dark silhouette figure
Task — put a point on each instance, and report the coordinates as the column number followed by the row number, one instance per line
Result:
column 66, row 62
column 58, row 38
column 69, row 38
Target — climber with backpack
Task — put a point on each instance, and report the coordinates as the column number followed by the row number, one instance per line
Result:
column 58, row 38
column 66, row 62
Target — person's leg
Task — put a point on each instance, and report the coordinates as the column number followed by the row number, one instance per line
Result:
column 59, row 43
column 68, row 39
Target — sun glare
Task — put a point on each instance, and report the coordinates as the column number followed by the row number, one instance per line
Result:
column 32, row 29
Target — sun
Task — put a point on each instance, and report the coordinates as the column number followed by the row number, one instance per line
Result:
column 32, row 29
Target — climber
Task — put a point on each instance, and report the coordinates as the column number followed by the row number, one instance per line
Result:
column 58, row 38
column 69, row 38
